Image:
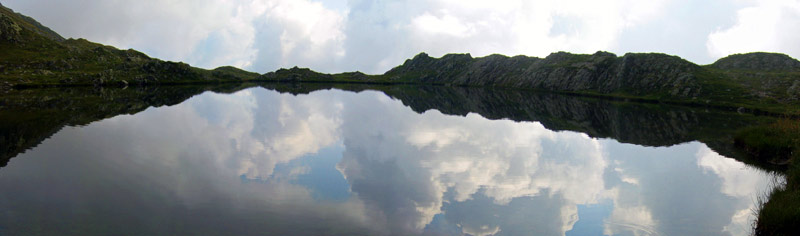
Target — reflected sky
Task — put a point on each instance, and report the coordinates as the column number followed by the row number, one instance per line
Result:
column 342, row 163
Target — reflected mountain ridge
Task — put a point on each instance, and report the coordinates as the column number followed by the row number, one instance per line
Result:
column 637, row 123
column 418, row 161
column 29, row 116
column 39, row 113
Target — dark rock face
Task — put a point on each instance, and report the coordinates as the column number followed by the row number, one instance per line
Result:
column 295, row 74
column 759, row 61
column 9, row 31
column 9, row 27
column 636, row 74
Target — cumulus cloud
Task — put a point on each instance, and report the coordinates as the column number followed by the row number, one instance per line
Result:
column 764, row 26
column 299, row 33
column 203, row 32
column 206, row 33
column 267, row 129
column 688, row 175
column 513, row 27
column 374, row 36
column 426, row 160
column 738, row 180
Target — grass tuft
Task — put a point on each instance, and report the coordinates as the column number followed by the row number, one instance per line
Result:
column 778, row 142
column 774, row 143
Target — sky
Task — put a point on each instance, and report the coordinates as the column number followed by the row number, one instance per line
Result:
column 374, row 36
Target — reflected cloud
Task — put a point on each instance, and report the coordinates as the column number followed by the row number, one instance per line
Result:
column 423, row 157
column 634, row 220
column 241, row 159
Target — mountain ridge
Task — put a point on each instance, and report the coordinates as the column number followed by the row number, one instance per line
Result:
column 35, row 56
column 734, row 81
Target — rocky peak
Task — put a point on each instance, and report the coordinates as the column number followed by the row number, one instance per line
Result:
column 758, row 61
column 559, row 56
column 296, row 74
column 9, row 30
column 419, row 59
column 568, row 59
column 457, row 57
column 24, row 23
column 604, row 54
column 656, row 60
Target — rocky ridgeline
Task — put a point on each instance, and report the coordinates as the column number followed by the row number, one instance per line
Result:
column 296, row 74
column 758, row 61
column 602, row 72
column 34, row 55
column 771, row 76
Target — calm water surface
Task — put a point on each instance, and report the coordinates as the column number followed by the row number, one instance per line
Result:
column 332, row 162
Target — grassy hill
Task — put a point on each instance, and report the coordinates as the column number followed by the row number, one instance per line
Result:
column 34, row 55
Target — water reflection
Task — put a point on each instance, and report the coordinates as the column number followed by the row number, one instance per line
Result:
column 334, row 163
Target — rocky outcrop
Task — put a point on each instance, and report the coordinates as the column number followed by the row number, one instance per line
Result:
column 758, row 61
column 9, row 31
column 768, row 76
column 295, row 74
column 18, row 22
column 641, row 76
column 602, row 72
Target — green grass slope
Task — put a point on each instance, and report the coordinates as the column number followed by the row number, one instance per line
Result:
column 34, row 55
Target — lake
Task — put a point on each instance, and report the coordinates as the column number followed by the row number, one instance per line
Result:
column 283, row 159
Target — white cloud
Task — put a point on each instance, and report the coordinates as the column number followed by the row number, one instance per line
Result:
column 514, row 27
column 205, row 33
column 738, row 179
column 405, row 168
column 766, row 26
column 446, row 24
column 183, row 163
column 637, row 220
column 431, row 158
column 251, row 131
column 374, row 36
column 310, row 31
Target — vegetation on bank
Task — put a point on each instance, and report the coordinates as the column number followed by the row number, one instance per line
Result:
column 777, row 143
